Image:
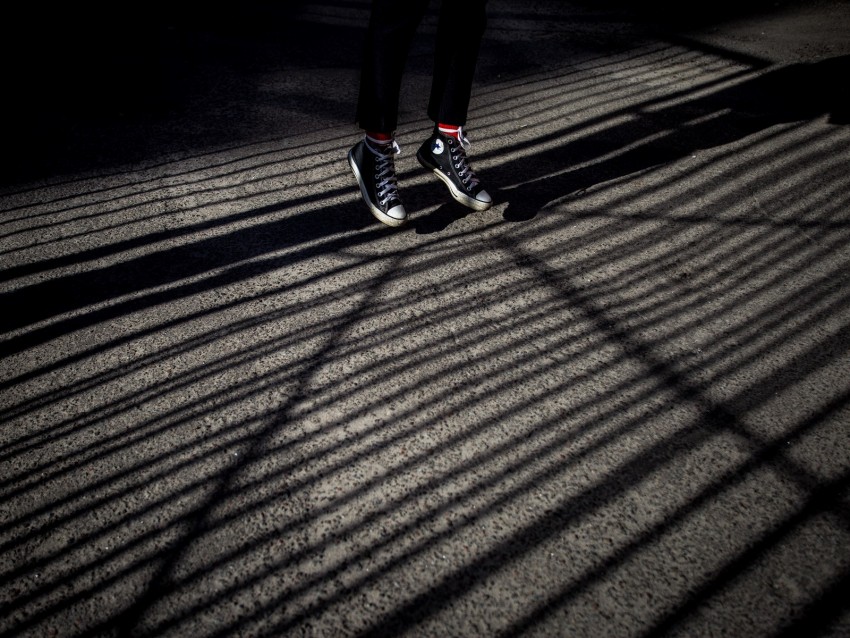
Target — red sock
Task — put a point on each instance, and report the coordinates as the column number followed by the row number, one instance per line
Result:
column 448, row 129
column 380, row 137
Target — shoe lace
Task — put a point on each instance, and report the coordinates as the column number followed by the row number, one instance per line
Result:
column 386, row 182
column 461, row 161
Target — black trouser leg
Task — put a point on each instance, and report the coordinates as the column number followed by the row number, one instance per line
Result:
column 459, row 33
column 392, row 26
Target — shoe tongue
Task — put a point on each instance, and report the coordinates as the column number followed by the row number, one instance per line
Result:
column 390, row 147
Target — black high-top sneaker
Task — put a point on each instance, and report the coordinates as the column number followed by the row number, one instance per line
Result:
column 446, row 157
column 374, row 167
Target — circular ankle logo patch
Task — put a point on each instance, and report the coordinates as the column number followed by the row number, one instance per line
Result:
column 437, row 147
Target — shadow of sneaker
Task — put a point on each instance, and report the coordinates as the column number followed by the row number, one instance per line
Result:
column 440, row 219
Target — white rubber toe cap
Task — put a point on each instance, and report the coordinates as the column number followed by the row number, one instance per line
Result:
column 397, row 212
column 395, row 216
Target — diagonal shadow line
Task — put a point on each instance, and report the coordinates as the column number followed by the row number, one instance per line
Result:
column 648, row 319
column 187, row 230
column 116, row 343
column 591, row 93
column 107, row 250
column 643, row 154
column 28, row 376
column 730, row 198
column 621, row 120
column 371, row 233
column 820, row 617
column 137, row 197
column 724, row 53
column 134, row 171
column 213, row 153
column 96, row 252
column 136, row 187
column 529, row 198
column 799, row 367
column 678, row 380
column 628, row 61
column 459, row 311
column 172, row 264
column 79, row 321
column 626, row 283
column 822, row 498
column 152, row 238
column 492, row 561
column 79, row 595
column 746, row 117
column 31, row 375
column 168, row 194
column 231, row 160
column 106, row 557
column 23, row 378
column 164, row 182
column 758, row 460
column 171, row 176
column 193, row 265
column 555, row 76
column 208, row 370
column 829, row 349
column 128, row 620
column 615, row 115
column 736, row 257
column 322, row 577
column 758, row 145
column 297, row 221
column 716, row 417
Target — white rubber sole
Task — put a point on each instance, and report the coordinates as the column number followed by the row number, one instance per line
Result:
column 459, row 197
column 380, row 215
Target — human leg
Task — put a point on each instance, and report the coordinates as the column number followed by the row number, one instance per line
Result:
column 459, row 34
column 392, row 25
column 460, row 30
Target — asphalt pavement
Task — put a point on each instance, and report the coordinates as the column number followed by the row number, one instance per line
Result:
column 615, row 404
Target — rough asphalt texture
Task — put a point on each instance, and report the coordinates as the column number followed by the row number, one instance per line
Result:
column 615, row 404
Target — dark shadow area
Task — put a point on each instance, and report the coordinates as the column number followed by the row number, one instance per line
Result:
column 440, row 219
column 250, row 461
column 716, row 418
column 90, row 86
column 788, row 94
column 77, row 292
column 695, row 14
